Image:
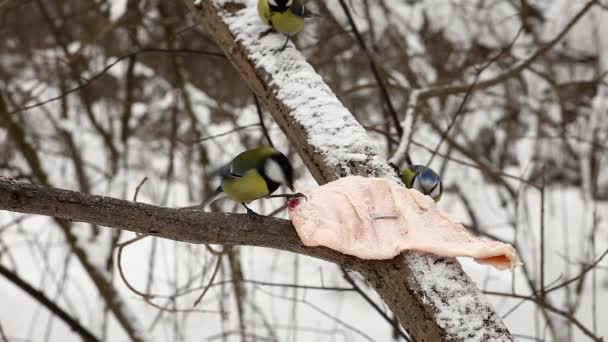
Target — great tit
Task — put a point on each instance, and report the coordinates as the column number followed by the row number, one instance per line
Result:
column 253, row 174
column 285, row 16
column 421, row 178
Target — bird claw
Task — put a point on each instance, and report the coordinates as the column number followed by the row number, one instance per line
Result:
column 252, row 214
column 289, row 196
column 298, row 195
column 294, row 201
column 265, row 33
column 284, row 44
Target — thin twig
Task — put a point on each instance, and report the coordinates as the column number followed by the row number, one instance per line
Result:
column 217, row 268
column 469, row 94
column 174, row 310
column 261, row 117
column 190, row 142
column 121, row 246
column 516, row 69
column 594, row 274
column 426, row 93
column 39, row 296
column 2, row 334
column 322, row 312
column 384, row 92
column 147, row 297
column 259, row 283
column 580, row 275
column 138, row 188
column 542, row 236
column 105, row 69
column 553, row 309
column 373, row 304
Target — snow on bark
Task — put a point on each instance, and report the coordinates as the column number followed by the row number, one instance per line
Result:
column 431, row 296
column 334, row 137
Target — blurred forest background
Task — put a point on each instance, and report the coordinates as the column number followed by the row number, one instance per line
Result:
column 98, row 95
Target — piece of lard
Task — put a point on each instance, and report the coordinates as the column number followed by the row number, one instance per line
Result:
column 376, row 218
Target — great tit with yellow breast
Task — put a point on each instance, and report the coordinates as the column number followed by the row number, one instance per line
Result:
column 285, row 16
column 253, row 174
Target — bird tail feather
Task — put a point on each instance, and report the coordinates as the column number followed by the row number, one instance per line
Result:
column 214, row 196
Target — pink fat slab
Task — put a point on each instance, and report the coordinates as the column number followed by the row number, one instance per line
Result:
column 376, row 218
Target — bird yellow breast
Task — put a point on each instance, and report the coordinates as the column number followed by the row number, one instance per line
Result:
column 245, row 189
column 284, row 22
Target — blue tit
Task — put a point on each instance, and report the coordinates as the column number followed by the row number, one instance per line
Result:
column 253, row 174
column 422, row 179
column 285, row 16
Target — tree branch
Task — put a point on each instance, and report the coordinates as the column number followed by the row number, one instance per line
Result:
column 39, row 296
column 183, row 225
column 431, row 296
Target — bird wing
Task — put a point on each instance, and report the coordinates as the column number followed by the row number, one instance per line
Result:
column 227, row 172
column 214, row 196
column 247, row 188
column 248, row 160
column 264, row 11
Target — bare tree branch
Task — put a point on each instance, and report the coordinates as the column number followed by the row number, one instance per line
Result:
column 372, row 63
column 175, row 224
column 84, row 84
column 39, row 296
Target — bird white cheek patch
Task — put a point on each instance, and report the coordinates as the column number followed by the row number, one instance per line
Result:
column 376, row 218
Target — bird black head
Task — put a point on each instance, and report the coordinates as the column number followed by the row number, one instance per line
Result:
column 278, row 170
column 280, row 5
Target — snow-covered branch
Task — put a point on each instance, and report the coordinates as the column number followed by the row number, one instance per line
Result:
column 432, row 297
